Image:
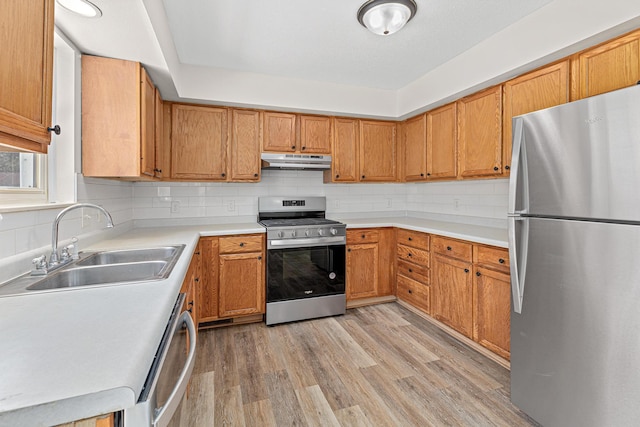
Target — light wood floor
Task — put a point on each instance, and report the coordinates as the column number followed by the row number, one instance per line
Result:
column 379, row 365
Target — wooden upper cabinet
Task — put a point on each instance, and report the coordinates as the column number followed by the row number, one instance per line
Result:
column 610, row 66
column 480, row 134
column 148, row 125
column 442, row 143
column 543, row 88
column 246, row 137
column 26, row 73
column 159, row 136
column 198, row 142
column 344, row 149
column 118, row 119
column 414, row 148
column 377, row 151
column 315, row 135
column 279, row 132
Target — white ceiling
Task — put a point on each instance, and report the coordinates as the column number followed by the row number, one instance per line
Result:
column 323, row 41
column 302, row 55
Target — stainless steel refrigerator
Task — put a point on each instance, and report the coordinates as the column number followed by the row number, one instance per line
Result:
column 574, row 241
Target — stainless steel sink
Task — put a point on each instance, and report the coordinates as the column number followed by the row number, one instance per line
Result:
column 103, row 274
column 164, row 253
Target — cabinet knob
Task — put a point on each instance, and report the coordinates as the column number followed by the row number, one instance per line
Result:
column 293, row 147
column 495, row 168
column 363, row 236
column 410, row 239
column 466, row 270
column 304, row 148
column 337, row 176
column 410, row 291
column 478, row 274
column 55, row 129
column 223, row 174
column 157, row 170
column 197, row 253
column 242, row 244
column 259, row 258
column 349, row 250
column 421, row 174
column 411, row 270
column 428, row 174
column 409, row 255
column 448, row 248
column 362, row 176
column 507, row 167
column 501, row 261
column 197, row 279
column 255, row 175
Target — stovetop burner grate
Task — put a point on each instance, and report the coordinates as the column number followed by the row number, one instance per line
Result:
column 293, row 222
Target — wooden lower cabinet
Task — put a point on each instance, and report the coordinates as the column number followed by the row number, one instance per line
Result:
column 414, row 293
column 452, row 293
column 233, row 277
column 369, row 263
column 492, row 310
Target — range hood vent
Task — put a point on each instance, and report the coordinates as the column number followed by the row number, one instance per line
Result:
column 295, row 161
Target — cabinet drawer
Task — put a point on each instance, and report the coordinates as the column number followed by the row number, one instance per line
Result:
column 414, row 239
column 452, row 248
column 355, row 237
column 414, row 293
column 419, row 273
column 417, row 256
column 497, row 258
column 236, row 244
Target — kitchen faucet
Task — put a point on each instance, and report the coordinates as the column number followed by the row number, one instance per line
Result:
column 42, row 267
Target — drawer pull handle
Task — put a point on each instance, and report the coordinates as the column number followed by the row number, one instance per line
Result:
column 410, row 239
column 448, row 248
column 411, row 270
column 363, row 236
column 410, row 291
column 466, row 270
column 255, row 175
column 501, row 261
column 241, row 244
column 409, row 255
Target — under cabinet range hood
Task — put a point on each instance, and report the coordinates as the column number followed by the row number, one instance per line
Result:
column 295, row 161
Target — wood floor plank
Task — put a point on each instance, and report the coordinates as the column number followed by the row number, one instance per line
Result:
column 375, row 366
column 284, row 403
column 259, row 414
column 354, row 417
column 315, row 407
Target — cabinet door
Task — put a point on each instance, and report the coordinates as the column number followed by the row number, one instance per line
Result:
column 208, row 285
column 344, row 160
column 26, row 73
column 377, row 151
column 492, row 310
column 279, row 132
column 452, row 293
column 534, row 91
column 198, row 142
column 362, row 271
column 242, row 285
column 147, row 124
column 613, row 65
column 414, row 154
column 442, row 143
column 159, row 135
column 480, row 134
column 315, row 134
column 246, row 137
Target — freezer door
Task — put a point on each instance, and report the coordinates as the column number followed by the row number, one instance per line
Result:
column 582, row 159
column 575, row 346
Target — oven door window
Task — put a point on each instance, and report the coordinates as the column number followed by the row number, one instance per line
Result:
column 295, row 273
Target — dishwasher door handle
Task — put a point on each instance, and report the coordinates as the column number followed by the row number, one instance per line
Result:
column 164, row 414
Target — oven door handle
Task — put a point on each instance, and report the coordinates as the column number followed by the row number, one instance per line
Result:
column 164, row 414
column 305, row 243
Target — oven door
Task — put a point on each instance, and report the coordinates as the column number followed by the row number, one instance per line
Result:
column 305, row 272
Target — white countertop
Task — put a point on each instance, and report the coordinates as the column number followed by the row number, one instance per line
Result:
column 71, row 354
column 474, row 233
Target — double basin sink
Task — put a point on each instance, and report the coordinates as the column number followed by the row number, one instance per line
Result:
column 106, row 268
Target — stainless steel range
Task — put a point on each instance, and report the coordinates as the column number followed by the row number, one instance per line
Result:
column 305, row 259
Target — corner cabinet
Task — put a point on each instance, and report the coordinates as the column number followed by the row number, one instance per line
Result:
column 26, row 73
column 480, row 134
column 199, row 142
column 118, row 119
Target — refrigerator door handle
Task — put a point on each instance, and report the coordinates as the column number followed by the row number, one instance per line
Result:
column 519, row 183
column 518, row 244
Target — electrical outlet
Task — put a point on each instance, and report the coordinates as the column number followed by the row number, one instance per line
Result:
column 231, row 205
column 175, row 206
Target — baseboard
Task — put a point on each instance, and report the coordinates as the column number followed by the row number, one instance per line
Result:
column 370, row 301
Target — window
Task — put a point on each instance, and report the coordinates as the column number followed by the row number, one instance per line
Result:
column 23, row 177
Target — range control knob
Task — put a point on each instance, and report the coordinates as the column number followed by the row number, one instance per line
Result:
column 281, row 234
column 333, row 231
column 320, row 232
column 307, row 232
column 293, row 233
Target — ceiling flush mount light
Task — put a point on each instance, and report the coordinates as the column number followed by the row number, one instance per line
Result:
column 81, row 7
column 385, row 17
